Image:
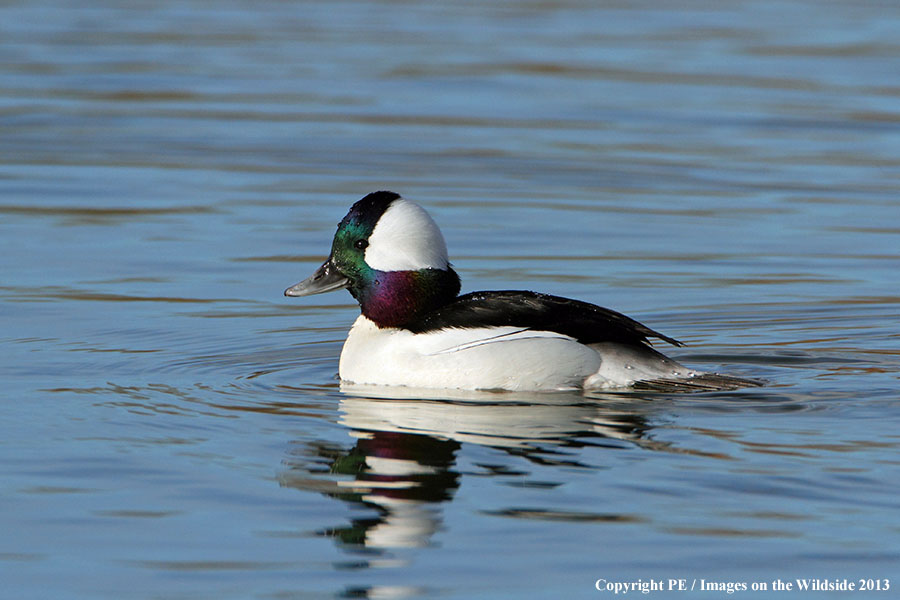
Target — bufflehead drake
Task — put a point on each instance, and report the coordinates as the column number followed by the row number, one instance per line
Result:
column 416, row 331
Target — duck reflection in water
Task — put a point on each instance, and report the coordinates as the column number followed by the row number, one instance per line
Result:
column 402, row 464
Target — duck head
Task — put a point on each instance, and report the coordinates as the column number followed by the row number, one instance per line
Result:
column 389, row 253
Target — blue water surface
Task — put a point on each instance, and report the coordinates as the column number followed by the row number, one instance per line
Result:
column 172, row 427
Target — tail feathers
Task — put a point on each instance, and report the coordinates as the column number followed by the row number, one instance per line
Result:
column 701, row 382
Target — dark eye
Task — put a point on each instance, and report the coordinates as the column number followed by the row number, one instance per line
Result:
column 361, row 244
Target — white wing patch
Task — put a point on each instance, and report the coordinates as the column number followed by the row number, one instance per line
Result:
column 496, row 335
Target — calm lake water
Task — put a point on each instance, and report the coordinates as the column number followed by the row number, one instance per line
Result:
column 172, row 427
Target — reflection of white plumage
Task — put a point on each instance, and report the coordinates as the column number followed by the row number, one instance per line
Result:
column 483, row 417
column 535, row 421
column 415, row 330
column 407, row 440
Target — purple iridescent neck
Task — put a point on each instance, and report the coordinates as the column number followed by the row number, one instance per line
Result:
column 397, row 298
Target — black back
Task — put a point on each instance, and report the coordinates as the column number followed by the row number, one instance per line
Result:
column 587, row 323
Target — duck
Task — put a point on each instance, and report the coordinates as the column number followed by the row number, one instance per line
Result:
column 415, row 330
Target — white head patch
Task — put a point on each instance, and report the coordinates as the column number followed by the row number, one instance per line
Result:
column 406, row 238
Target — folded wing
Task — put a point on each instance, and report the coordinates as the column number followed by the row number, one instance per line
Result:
column 585, row 322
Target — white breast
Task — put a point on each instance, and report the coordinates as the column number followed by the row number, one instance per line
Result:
column 508, row 358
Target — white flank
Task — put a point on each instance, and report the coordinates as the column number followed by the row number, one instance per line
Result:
column 496, row 358
column 488, row 358
column 406, row 238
